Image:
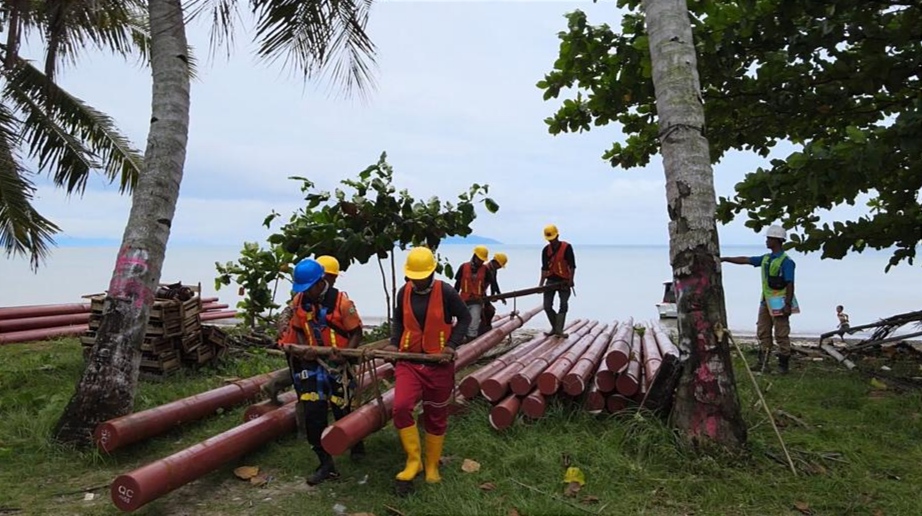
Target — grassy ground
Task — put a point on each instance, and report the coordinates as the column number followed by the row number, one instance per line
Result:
column 858, row 454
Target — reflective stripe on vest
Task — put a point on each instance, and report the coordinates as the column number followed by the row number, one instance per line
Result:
column 322, row 327
column 473, row 287
column 557, row 263
column 432, row 336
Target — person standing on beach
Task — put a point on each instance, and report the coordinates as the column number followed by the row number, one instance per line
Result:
column 322, row 316
column 486, row 320
column 558, row 267
column 843, row 322
column 777, row 300
column 423, row 315
column 471, row 283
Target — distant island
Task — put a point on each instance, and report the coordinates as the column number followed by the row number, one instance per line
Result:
column 470, row 239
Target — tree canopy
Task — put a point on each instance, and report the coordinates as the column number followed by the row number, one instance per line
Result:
column 837, row 78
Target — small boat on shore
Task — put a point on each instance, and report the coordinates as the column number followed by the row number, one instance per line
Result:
column 667, row 308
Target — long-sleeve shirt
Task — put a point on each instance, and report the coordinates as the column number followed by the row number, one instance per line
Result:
column 453, row 306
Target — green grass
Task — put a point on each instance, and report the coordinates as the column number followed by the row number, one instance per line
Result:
column 859, row 455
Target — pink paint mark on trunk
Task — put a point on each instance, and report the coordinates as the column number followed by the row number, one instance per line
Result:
column 130, row 266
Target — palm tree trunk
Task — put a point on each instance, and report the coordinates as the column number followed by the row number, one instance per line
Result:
column 706, row 407
column 107, row 387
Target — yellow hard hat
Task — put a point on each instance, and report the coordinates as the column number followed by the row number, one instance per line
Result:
column 330, row 264
column 420, row 263
column 481, row 252
column 501, row 259
column 550, row 232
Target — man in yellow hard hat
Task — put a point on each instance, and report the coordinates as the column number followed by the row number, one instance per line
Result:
column 498, row 262
column 471, row 282
column 330, row 268
column 425, row 308
column 558, row 267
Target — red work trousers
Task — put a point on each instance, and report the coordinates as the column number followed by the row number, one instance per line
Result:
column 431, row 383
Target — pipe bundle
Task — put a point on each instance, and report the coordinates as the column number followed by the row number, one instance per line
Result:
column 606, row 367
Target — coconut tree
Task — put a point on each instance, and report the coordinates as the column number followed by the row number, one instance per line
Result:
column 41, row 122
column 706, row 407
column 316, row 37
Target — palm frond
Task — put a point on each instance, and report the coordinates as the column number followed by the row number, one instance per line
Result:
column 140, row 33
column 323, row 38
column 224, row 16
column 67, row 135
column 70, row 26
column 22, row 230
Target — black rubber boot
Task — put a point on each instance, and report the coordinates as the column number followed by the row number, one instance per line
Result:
column 784, row 363
column 761, row 365
column 357, row 454
column 325, row 471
column 561, row 321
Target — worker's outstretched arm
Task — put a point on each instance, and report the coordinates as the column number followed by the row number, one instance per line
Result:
column 739, row 260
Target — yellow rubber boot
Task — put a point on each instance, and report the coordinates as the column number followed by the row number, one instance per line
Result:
column 433, row 454
column 409, row 437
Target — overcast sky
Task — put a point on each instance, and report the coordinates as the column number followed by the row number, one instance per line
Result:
column 456, row 104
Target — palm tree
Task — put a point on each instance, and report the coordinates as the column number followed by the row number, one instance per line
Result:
column 39, row 120
column 706, row 407
column 314, row 36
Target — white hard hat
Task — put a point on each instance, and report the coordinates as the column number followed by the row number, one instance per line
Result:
column 776, row 232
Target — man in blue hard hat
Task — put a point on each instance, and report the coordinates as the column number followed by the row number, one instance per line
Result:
column 322, row 316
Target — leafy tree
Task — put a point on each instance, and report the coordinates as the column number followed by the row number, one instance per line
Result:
column 369, row 220
column 837, row 78
column 39, row 120
column 311, row 35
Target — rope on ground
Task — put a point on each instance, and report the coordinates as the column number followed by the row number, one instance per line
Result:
column 719, row 330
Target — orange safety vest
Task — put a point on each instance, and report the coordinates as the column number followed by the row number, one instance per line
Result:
column 307, row 322
column 473, row 286
column 557, row 265
column 433, row 335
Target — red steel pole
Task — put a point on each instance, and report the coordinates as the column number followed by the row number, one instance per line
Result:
column 534, row 405
column 580, row 376
column 221, row 314
column 595, row 399
column 616, row 403
column 495, row 387
column 550, row 380
column 651, row 357
column 664, row 342
column 21, row 312
column 629, row 380
column 132, row 490
column 41, row 334
column 341, row 435
column 502, row 415
column 523, row 381
column 619, row 352
column 50, row 321
column 122, row 431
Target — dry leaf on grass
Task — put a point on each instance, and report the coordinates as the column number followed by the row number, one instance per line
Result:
column 259, row 480
column 803, row 507
column 513, row 512
column 246, row 472
column 572, row 489
column 590, row 499
column 488, row 486
column 470, row 466
column 877, row 512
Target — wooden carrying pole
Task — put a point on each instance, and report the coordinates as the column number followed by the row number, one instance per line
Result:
column 368, row 354
column 526, row 292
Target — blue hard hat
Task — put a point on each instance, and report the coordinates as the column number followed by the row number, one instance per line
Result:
column 307, row 273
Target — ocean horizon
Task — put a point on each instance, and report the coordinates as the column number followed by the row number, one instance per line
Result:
column 613, row 282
